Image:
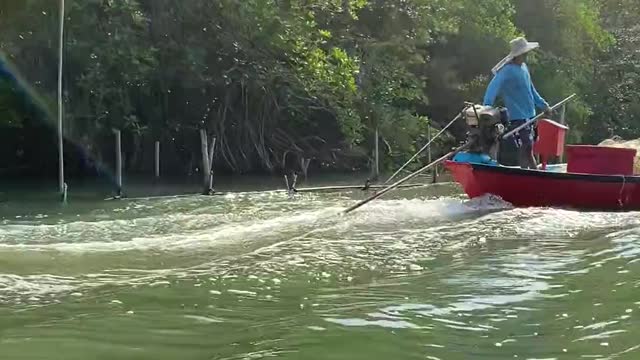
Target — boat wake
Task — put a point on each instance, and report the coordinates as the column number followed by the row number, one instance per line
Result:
column 387, row 236
column 426, row 211
column 197, row 231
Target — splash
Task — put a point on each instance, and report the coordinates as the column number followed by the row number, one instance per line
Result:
column 426, row 211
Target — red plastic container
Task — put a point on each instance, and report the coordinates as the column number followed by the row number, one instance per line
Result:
column 550, row 140
column 600, row 160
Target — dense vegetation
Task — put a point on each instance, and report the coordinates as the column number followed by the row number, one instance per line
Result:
column 280, row 80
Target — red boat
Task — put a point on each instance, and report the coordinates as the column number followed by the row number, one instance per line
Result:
column 526, row 188
column 596, row 178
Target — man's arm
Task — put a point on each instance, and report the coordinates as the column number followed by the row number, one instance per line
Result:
column 494, row 88
column 539, row 101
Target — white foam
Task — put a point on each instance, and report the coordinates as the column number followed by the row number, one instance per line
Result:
column 389, row 324
column 204, row 319
column 210, row 237
column 424, row 211
column 36, row 285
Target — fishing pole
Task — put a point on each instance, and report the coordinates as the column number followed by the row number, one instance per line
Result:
column 402, row 181
column 423, row 149
column 538, row 117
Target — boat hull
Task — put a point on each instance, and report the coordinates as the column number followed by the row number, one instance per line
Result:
column 535, row 188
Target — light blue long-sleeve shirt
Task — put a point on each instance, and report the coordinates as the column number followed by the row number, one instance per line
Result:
column 513, row 84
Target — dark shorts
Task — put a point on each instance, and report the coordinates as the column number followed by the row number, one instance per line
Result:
column 524, row 137
column 510, row 148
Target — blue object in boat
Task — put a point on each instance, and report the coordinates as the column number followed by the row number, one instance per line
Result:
column 465, row 157
column 557, row 168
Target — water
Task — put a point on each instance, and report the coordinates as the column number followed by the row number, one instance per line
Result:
column 424, row 274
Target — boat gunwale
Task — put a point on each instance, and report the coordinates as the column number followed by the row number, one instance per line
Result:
column 553, row 175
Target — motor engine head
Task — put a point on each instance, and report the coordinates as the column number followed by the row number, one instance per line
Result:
column 486, row 124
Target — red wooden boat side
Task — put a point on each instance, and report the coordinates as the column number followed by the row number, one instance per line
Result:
column 534, row 188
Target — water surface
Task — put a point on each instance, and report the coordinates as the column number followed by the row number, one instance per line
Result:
column 423, row 274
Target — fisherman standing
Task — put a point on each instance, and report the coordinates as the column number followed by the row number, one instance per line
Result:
column 512, row 82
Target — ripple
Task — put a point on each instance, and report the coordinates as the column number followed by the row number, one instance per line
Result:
column 388, row 324
column 259, row 274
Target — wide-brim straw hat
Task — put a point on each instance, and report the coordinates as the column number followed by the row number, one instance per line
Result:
column 519, row 46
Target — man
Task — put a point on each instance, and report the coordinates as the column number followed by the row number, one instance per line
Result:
column 512, row 82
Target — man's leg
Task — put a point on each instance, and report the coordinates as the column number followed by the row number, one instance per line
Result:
column 525, row 152
column 509, row 149
column 527, row 160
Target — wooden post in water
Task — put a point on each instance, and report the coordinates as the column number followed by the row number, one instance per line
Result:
column 61, row 184
column 212, row 148
column 304, row 167
column 434, row 172
column 206, row 164
column 157, row 160
column 118, row 149
column 377, row 155
column 429, row 140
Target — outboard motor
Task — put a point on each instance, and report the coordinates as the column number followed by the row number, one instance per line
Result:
column 486, row 125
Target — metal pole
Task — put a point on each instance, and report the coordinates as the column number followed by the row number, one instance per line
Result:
column 402, row 181
column 554, row 107
column 61, row 183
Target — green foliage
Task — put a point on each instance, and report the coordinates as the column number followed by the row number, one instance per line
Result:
column 614, row 94
column 276, row 81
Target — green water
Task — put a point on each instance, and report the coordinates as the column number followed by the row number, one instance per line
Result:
column 424, row 274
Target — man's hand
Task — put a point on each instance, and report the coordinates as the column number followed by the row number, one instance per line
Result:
column 548, row 111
